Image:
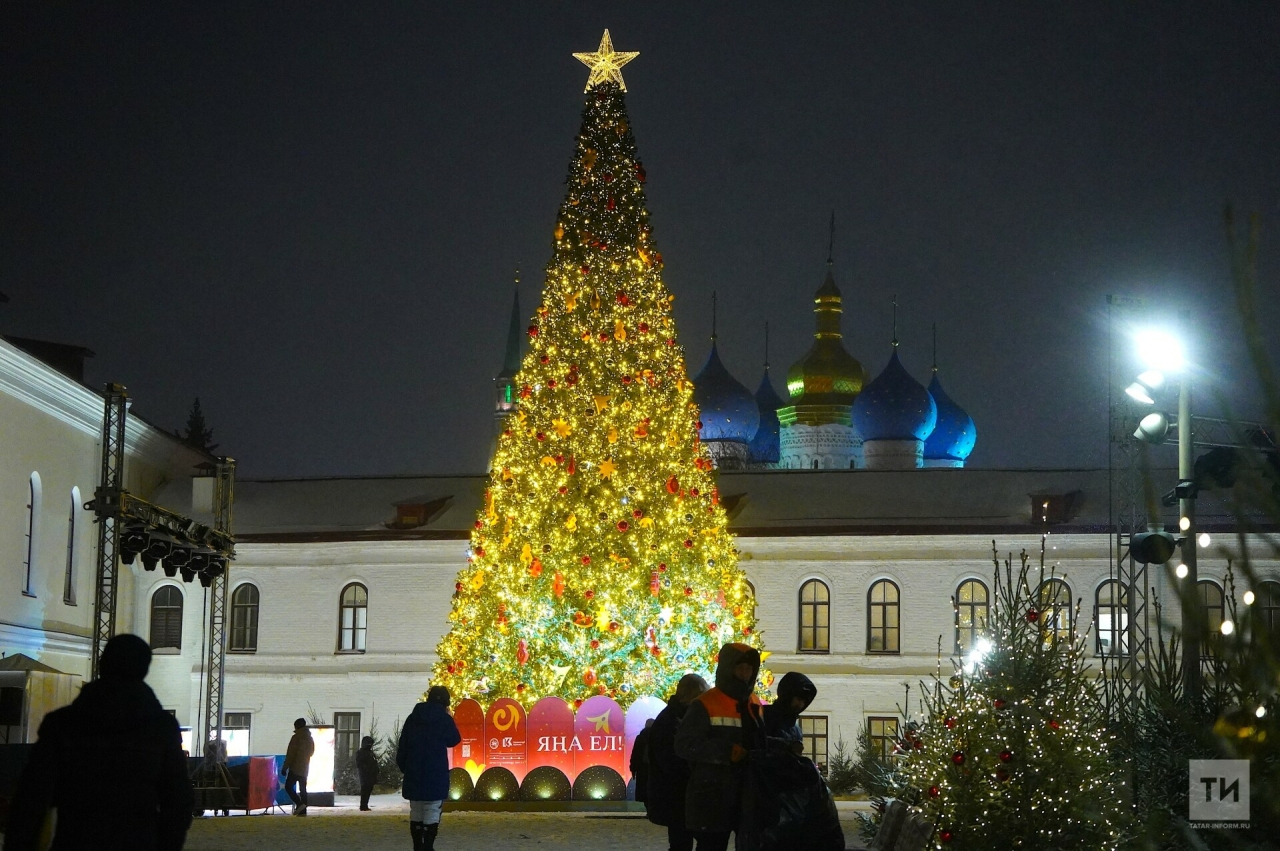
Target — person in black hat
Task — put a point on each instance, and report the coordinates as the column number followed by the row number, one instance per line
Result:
column 111, row 765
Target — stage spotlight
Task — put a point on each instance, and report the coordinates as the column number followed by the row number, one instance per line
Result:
column 158, row 546
column 133, row 540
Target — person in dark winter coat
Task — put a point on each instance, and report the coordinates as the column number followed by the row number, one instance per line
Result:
column 367, row 770
column 782, row 717
column 639, row 763
column 423, row 756
column 111, row 765
column 668, row 773
column 297, row 761
column 714, row 736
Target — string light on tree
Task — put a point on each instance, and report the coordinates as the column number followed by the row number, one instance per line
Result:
column 600, row 562
column 1015, row 752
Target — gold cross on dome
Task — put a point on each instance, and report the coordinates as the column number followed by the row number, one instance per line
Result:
column 605, row 64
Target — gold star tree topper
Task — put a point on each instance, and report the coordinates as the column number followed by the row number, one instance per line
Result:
column 605, row 63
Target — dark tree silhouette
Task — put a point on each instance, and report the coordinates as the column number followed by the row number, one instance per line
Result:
column 198, row 433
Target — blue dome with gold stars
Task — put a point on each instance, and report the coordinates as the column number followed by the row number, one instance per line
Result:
column 955, row 434
column 894, row 406
column 764, row 447
column 728, row 410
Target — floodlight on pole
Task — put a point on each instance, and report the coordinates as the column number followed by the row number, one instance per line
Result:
column 1145, row 388
column 1159, row 349
column 1180, row 571
column 1153, row 428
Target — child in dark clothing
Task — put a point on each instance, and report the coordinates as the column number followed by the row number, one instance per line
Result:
column 367, row 769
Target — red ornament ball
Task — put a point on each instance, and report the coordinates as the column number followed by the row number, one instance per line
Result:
column 934, row 791
column 1002, row 775
column 586, row 559
column 999, row 704
column 688, row 592
column 563, row 490
column 1006, row 755
column 623, row 525
column 457, row 587
column 951, row 723
column 945, row 836
column 711, row 627
column 1053, row 725
column 958, row 758
column 595, row 645
column 644, row 327
column 1032, row 616
column 533, row 330
column 662, row 568
column 688, row 543
column 637, row 513
column 589, row 594
column 479, row 524
column 603, row 336
column 544, row 359
column 541, row 436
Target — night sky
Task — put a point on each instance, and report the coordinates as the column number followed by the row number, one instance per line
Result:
column 309, row 214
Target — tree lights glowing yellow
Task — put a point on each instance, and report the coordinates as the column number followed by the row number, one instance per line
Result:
column 600, row 563
column 1015, row 752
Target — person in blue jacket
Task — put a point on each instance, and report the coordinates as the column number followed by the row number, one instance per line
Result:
column 423, row 757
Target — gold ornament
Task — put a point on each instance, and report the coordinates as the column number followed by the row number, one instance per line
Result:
column 605, row 63
column 608, row 468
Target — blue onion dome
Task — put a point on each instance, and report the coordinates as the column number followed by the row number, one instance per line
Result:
column 955, row 434
column 764, row 447
column 728, row 410
column 894, row 406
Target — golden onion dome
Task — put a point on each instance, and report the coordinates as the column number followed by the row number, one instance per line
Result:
column 824, row 383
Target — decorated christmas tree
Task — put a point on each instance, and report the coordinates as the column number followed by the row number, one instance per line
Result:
column 1015, row 752
column 600, row 562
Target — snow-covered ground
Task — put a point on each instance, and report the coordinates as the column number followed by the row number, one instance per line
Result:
column 344, row 827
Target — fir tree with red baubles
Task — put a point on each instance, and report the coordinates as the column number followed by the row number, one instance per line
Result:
column 1015, row 752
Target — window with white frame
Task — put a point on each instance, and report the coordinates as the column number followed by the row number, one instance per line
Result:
column 1111, row 619
column 815, row 617
column 883, row 630
column 69, row 581
column 973, row 605
column 244, row 619
column 353, row 618
column 166, row 618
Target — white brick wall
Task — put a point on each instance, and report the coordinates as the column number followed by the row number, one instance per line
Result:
column 297, row 669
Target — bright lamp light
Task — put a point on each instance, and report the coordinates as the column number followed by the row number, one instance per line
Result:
column 1181, row 571
column 1249, row 597
column 1227, row 627
column 1204, row 540
column 1159, row 350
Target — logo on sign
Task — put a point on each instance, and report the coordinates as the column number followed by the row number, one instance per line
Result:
column 506, row 718
column 1219, row 793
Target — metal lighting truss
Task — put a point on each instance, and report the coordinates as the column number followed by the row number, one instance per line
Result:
column 106, row 504
column 215, row 663
column 115, row 507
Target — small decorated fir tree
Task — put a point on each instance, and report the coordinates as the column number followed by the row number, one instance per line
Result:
column 600, row 562
column 1015, row 752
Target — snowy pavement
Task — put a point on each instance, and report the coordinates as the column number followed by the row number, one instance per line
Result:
column 344, row 827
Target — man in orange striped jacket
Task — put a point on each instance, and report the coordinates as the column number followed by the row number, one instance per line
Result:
column 714, row 737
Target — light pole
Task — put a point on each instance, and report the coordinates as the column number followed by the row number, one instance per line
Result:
column 1187, row 514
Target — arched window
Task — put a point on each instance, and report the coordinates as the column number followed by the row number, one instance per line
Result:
column 972, row 607
column 69, row 583
column 166, row 618
column 34, row 497
column 353, row 618
column 815, row 463
column 815, row 617
column 882, row 618
column 244, row 619
column 1213, row 610
column 1268, row 604
column 1111, row 616
column 1054, row 596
